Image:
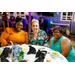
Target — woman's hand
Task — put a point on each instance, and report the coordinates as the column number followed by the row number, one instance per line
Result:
column 8, row 44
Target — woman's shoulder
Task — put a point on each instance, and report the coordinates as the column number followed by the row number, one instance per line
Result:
column 52, row 39
column 8, row 29
column 41, row 30
column 24, row 32
column 64, row 39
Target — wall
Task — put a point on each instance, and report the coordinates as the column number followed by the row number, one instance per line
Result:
column 56, row 19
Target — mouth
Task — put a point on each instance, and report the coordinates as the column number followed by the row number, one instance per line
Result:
column 55, row 35
column 19, row 29
column 35, row 29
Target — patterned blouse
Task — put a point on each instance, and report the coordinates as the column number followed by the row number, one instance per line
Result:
column 41, row 38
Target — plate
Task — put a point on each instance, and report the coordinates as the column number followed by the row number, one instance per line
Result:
column 54, row 54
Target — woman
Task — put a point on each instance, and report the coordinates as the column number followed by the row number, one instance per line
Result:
column 16, row 35
column 62, row 44
column 37, row 36
column 5, row 21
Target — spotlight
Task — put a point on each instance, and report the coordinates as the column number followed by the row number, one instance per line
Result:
column 51, row 22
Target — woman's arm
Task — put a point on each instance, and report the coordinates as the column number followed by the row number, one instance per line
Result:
column 65, row 46
column 4, row 37
column 3, row 24
column 26, row 38
column 49, row 43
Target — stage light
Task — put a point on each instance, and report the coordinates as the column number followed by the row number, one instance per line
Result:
column 51, row 22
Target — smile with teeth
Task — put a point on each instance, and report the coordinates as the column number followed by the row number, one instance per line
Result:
column 35, row 29
column 55, row 35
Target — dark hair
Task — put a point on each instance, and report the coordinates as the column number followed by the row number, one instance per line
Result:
column 18, row 19
column 58, row 28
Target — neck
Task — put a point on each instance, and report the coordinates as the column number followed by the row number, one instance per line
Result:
column 17, row 31
column 58, row 38
column 35, row 32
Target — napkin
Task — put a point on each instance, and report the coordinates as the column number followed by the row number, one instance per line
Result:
column 40, row 59
column 41, row 53
column 32, row 50
column 6, row 51
column 3, row 59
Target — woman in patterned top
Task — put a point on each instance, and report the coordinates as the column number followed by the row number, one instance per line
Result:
column 37, row 36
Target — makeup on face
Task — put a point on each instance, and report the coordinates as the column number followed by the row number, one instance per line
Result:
column 56, row 33
column 35, row 26
column 19, row 26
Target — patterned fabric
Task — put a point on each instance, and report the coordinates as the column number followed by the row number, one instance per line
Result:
column 41, row 38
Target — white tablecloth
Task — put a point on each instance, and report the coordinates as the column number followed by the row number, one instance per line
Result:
column 32, row 57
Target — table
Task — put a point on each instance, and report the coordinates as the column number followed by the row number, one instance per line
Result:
column 32, row 58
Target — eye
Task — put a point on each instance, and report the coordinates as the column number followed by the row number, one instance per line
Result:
column 36, row 25
column 33, row 25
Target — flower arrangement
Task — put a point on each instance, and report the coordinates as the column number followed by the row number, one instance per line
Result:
column 16, row 50
column 25, row 48
column 19, row 50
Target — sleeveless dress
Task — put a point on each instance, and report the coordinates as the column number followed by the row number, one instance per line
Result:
column 57, row 47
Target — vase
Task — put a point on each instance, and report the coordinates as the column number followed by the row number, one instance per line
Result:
column 22, row 54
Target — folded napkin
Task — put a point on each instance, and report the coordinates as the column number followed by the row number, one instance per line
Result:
column 32, row 50
column 41, row 53
column 6, row 51
column 3, row 59
column 40, row 59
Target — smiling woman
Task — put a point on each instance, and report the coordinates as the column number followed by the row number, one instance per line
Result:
column 62, row 44
column 19, row 26
column 37, row 36
column 16, row 35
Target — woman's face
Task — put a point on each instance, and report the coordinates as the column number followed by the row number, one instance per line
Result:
column 19, row 26
column 35, row 27
column 56, row 34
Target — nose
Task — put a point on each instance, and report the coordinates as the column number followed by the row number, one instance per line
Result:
column 35, row 27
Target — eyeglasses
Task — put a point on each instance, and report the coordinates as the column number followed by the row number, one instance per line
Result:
column 56, row 32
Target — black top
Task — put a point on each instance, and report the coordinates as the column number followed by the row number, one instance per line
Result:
column 4, row 18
